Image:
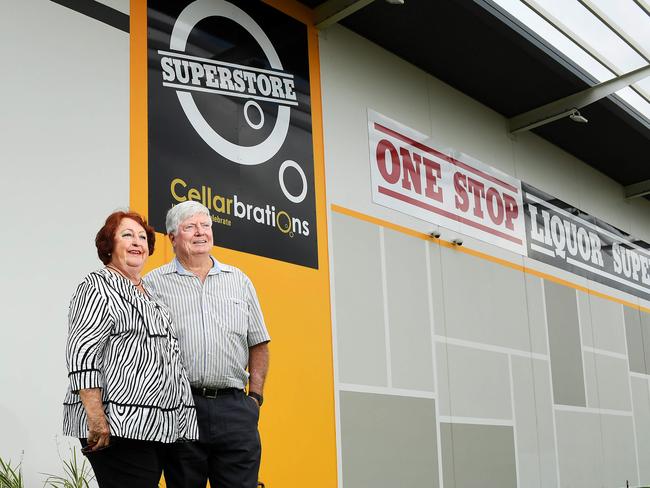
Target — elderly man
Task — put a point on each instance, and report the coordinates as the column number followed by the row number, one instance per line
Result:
column 221, row 332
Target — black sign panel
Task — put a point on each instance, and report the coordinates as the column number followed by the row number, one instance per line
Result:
column 230, row 123
column 564, row 236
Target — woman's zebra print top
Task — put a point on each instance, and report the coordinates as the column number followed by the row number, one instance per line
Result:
column 124, row 343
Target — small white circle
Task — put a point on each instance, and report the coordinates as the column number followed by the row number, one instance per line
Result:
column 288, row 163
column 252, row 103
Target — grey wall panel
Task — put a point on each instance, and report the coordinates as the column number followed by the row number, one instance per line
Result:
column 408, row 312
column 564, row 343
column 579, row 444
column 536, row 314
column 607, row 324
column 535, row 433
column 611, row 375
column 591, row 380
column 523, row 396
column 584, row 313
column 473, row 383
column 437, row 289
column 635, row 344
column 478, row 456
column 484, row 302
column 359, row 310
column 619, row 451
column 641, row 405
column 548, row 467
column 388, row 441
column 645, row 333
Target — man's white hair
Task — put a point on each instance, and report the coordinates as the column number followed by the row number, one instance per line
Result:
column 183, row 211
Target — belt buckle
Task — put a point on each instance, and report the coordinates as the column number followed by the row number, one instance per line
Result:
column 206, row 390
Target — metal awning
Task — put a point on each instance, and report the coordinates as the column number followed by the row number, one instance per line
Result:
column 516, row 56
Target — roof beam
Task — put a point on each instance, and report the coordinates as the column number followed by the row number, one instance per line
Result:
column 637, row 190
column 333, row 11
column 563, row 107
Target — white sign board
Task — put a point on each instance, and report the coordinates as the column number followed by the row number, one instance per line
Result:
column 413, row 175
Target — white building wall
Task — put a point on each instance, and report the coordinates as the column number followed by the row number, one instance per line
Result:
column 526, row 371
column 64, row 154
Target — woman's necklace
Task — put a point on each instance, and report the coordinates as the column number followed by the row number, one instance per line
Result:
column 139, row 283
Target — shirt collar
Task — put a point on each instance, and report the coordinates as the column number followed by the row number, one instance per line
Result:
column 217, row 267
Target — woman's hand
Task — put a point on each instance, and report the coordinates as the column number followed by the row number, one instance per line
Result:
column 98, row 431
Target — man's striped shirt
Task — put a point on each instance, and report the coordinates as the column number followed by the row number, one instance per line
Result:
column 216, row 321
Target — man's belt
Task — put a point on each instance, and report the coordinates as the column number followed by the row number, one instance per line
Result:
column 214, row 392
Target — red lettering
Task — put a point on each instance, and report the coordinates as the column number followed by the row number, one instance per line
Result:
column 431, row 174
column 494, row 205
column 512, row 210
column 462, row 199
column 411, row 167
column 478, row 190
column 390, row 174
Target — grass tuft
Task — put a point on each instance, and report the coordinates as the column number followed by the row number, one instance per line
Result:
column 10, row 476
column 75, row 474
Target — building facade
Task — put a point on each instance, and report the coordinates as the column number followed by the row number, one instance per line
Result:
column 426, row 332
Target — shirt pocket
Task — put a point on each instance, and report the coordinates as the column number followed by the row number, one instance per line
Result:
column 231, row 314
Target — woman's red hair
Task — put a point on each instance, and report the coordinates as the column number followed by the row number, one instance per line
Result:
column 105, row 239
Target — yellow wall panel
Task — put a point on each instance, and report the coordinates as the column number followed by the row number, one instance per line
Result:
column 297, row 423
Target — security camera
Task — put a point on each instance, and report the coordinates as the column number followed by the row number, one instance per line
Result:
column 435, row 234
column 457, row 242
column 576, row 116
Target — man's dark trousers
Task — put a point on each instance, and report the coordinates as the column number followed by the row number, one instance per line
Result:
column 228, row 451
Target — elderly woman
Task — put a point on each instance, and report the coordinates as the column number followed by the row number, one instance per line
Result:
column 128, row 392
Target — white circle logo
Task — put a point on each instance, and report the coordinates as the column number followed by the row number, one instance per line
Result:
column 292, row 164
column 253, row 125
column 247, row 155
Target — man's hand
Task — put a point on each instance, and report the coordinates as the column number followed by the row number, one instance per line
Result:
column 258, row 366
column 256, row 396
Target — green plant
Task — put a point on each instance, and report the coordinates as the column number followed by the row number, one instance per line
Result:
column 10, row 476
column 76, row 474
